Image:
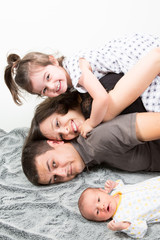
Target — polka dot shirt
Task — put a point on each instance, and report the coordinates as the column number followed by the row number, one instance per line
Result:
column 118, row 55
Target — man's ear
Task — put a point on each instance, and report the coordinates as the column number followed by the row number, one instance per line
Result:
column 53, row 60
column 54, row 143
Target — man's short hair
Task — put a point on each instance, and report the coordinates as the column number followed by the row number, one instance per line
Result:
column 31, row 150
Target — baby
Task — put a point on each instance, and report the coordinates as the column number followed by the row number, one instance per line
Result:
column 131, row 207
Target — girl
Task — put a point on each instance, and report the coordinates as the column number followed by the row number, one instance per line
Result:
column 45, row 75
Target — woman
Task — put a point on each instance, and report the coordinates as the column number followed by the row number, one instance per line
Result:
column 60, row 118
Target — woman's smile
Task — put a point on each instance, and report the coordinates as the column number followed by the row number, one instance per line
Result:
column 74, row 126
column 62, row 127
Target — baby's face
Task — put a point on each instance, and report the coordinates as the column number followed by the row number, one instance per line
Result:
column 98, row 205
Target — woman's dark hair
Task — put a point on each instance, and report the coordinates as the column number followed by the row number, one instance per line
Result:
column 60, row 104
column 18, row 70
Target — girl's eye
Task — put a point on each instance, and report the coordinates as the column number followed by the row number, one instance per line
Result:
column 54, row 164
column 97, row 212
column 48, row 77
column 98, row 199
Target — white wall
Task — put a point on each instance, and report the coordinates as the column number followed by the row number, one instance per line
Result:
column 65, row 25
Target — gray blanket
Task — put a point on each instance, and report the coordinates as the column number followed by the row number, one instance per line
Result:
column 51, row 212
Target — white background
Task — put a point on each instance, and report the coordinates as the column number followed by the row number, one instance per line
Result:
column 67, row 26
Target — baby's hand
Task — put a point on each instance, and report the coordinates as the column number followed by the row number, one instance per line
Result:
column 85, row 128
column 117, row 226
column 109, row 185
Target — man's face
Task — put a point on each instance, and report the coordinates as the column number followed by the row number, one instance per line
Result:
column 60, row 164
column 98, row 205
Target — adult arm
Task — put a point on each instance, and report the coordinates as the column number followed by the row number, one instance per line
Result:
column 133, row 83
column 148, row 126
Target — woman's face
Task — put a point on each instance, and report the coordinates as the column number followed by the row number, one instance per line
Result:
column 62, row 127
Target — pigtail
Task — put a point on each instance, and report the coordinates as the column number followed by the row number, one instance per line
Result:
column 9, row 76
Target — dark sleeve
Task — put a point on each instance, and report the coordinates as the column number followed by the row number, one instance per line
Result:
column 110, row 80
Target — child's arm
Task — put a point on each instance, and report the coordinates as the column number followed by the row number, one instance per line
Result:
column 133, row 83
column 118, row 226
column 98, row 94
column 110, row 185
column 135, row 229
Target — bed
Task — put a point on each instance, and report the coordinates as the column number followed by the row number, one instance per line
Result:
column 51, row 212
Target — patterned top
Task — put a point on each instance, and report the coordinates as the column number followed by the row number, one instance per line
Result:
column 139, row 205
column 118, row 55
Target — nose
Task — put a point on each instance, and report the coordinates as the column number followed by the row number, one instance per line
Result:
column 101, row 206
column 64, row 130
column 62, row 172
column 50, row 85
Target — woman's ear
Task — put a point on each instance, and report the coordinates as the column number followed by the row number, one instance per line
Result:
column 53, row 60
column 54, row 143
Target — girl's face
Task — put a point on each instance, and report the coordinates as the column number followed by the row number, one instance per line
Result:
column 50, row 80
column 62, row 127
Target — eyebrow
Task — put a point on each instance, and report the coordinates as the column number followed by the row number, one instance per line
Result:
column 52, row 126
column 49, row 182
column 48, row 166
column 41, row 91
column 49, row 171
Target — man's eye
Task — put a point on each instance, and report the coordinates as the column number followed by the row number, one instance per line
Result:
column 54, row 164
column 55, row 178
column 44, row 90
column 97, row 212
column 61, row 137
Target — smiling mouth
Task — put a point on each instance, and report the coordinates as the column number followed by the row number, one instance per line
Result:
column 74, row 126
column 58, row 86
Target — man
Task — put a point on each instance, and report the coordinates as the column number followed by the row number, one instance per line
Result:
column 124, row 143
